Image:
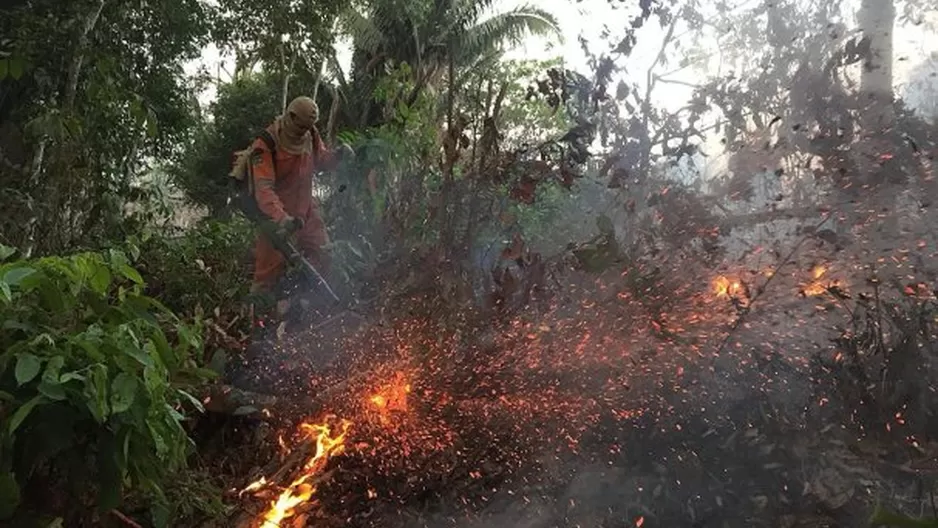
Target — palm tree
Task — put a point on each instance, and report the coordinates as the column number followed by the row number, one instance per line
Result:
column 437, row 38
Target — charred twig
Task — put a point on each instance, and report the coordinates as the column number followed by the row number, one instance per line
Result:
column 225, row 399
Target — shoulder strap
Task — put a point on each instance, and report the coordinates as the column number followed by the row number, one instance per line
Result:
column 268, row 140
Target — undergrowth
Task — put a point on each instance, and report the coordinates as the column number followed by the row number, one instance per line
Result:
column 96, row 382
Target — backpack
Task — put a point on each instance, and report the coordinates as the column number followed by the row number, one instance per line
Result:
column 242, row 176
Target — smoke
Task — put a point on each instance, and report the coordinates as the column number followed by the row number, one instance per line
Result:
column 711, row 363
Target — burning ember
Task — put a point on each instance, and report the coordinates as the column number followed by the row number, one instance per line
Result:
column 323, row 440
column 724, row 287
column 818, row 286
column 327, row 445
column 732, row 289
column 392, row 397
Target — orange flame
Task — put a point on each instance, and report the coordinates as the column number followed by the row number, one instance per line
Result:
column 301, row 490
column 724, row 287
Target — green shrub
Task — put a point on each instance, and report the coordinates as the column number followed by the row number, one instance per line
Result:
column 93, row 380
column 205, row 274
column 206, row 267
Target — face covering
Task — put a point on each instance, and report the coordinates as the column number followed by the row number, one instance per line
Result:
column 297, row 122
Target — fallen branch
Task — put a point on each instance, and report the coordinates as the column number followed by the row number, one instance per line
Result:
column 126, row 520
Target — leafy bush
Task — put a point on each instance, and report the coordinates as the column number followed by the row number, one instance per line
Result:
column 206, row 267
column 204, row 273
column 93, row 379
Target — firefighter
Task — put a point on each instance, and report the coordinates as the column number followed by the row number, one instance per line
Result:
column 283, row 190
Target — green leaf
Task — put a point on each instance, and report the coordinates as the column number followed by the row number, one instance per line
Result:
column 160, row 514
column 4, row 68
column 53, row 299
column 145, row 356
column 16, row 275
column 134, row 250
column 17, row 66
column 58, row 522
column 27, row 367
column 156, row 434
column 117, row 257
column 6, row 252
column 5, row 290
column 53, row 370
column 54, row 392
column 9, row 495
column 96, row 392
column 51, row 384
column 128, row 272
column 6, row 396
column 100, row 279
column 152, row 127
column 195, row 403
column 123, row 392
column 69, row 376
column 23, row 412
column 42, row 339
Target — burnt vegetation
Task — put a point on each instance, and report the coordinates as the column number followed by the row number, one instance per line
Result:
column 680, row 274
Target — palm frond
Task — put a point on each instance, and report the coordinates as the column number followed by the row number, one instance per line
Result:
column 508, row 28
column 335, row 70
column 461, row 15
column 364, row 32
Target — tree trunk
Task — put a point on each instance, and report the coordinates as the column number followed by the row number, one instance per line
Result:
column 71, row 82
column 450, row 149
column 74, row 69
column 875, row 135
column 877, row 19
column 287, row 74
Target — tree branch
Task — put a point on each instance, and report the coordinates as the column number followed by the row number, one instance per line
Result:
column 662, row 79
column 74, row 69
column 646, row 103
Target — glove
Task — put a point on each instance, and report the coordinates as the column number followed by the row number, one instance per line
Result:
column 291, row 224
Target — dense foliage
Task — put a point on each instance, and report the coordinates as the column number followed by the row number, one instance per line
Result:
column 93, row 378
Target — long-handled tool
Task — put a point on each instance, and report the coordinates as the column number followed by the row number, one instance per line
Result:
column 283, row 244
column 310, row 271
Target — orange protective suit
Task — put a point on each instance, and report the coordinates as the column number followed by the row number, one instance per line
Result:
column 289, row 192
